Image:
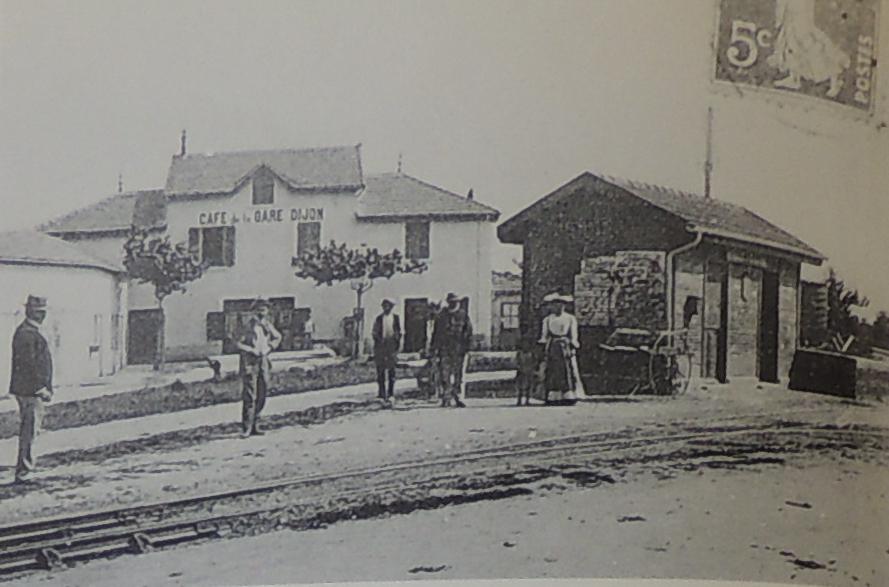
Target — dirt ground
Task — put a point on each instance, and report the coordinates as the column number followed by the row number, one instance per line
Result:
column 727, row 525
column 202, row 460
column 819, row 517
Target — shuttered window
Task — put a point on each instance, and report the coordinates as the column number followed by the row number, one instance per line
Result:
column 215, row 326
column 308, row 237
column 263, row 187
column 416, row 240
column 215, row 246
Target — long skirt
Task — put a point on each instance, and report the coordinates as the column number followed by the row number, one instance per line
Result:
column 560, row 377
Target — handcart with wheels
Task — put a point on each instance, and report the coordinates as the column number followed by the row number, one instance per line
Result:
column 644, row 361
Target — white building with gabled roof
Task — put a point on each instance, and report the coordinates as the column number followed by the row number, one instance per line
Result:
column 87, row 295
column 249, row 213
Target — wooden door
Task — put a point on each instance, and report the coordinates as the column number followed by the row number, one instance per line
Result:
column 144, row 328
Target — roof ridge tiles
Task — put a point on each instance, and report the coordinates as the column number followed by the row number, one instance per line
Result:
column 261, row 151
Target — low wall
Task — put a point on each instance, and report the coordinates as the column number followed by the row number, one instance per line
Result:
column 841, row 375
column 872, row 379
column 178, row 396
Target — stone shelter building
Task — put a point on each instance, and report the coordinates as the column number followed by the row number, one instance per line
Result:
column 635, row 255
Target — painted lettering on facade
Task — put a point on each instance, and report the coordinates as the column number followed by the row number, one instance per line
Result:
column 260, row 216
column 822, row 49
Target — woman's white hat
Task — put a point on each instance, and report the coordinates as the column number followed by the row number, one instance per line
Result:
column 557, row 297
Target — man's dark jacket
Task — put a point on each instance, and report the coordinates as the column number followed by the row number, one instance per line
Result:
column 452, row 333
column 31, row 362
column 386, row 349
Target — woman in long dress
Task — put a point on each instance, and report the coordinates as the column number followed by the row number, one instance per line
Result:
column 559, row 336
column 804, row 51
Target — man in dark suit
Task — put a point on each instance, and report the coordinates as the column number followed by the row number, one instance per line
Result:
column 257, row 342
column 30, row 381
column 451, row 339
column 387, row 340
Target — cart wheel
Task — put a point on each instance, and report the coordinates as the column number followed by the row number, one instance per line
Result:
column 669, row 366
column 681, row 373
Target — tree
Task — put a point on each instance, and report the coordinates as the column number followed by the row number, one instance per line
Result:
column 840, row 318
column 361, row 266
column 881, row 330
column 167, row 267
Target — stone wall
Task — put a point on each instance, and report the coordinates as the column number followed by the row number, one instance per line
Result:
column 592, row 224
column 624, row 290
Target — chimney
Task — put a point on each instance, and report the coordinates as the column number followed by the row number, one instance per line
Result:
column 182, row 144
column 470, row 195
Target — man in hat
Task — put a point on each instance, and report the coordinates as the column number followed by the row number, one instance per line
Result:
column 451, row 338
column 387, row 340
column 257, row 342
column 30, row 381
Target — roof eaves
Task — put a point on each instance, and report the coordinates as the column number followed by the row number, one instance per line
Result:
column 60, row 263
column 808, row 254
column 442, row 216
column 112, row 231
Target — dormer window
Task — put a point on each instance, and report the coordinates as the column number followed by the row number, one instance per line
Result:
column 263, row 187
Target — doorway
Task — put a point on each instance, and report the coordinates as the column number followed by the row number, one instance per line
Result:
column 143, row 331
column 288, row 321
column 416, row 315
column 768, row 329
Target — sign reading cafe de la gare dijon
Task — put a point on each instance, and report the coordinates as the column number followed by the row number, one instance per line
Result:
column 260, row 216
column 821, row 49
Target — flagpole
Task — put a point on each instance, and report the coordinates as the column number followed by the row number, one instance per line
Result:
column 708, row 163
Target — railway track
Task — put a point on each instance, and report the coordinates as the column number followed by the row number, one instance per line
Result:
column 56, row 542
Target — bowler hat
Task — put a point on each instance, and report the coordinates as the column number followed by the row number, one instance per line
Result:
column 36, row 302
column 452, row 297
column 388, row 302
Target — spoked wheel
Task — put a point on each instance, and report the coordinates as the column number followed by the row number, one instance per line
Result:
column 669, row 367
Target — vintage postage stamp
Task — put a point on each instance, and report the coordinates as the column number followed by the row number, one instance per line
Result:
column 822, row 49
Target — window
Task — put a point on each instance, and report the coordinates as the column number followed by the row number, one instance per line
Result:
column 416, row 240
column 509, row 315
column 97, row 334
column 263, row 187
column 216, row 245
column 308, row 237
column 215, row 326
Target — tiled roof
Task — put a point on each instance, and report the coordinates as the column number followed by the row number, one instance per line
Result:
column 113, row 213
column 220, row 173
column 709, row 215
column 395, row 195
column 714, row 215
column 35, row 248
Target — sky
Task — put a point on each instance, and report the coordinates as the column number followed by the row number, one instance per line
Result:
column 511, row 99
